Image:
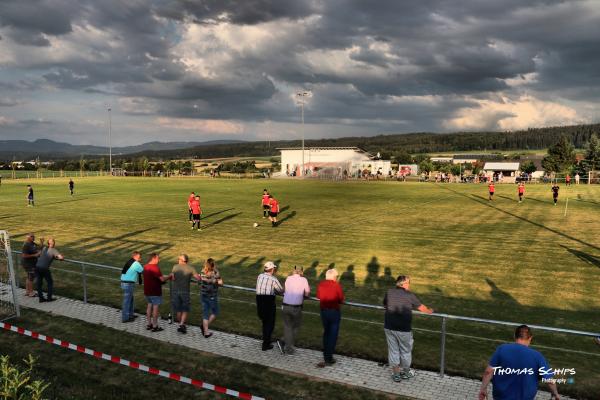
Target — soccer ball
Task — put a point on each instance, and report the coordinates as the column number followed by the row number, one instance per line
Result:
column 255, row 225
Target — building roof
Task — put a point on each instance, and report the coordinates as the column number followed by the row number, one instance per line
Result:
column 469, row 156
column 357, row 149
column 322, row 148
column 501, row 166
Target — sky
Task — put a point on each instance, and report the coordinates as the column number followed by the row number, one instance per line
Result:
column 184, row 70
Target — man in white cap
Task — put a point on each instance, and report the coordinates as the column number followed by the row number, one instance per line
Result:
column 267, row 286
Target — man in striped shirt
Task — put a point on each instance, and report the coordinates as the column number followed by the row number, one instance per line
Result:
column 267, row 286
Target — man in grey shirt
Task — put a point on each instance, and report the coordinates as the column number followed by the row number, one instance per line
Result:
column 399, row 303
column 42, row 269
column 29, row 255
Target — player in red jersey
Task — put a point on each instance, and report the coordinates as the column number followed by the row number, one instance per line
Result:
column 265, row 203
column 191, row 198
column 491, row 189
column 521, row 191
column 196, row 211
column 273, row 211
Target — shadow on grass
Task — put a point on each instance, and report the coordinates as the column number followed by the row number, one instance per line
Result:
column 117, row 247
column 217, row 213
column 70, row 200
column 500, row 295
column 284, row 209
column 585, row 257
column 478, row 198
column 287, row 217
column 221, row 220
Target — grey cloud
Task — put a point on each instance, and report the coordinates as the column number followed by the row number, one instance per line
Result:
column 456, row 51
column 236, row 11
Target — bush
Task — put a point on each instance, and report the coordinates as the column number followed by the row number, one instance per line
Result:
column 18, row 384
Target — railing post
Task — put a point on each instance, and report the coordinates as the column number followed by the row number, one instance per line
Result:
column 84, row 277
column 443, row 348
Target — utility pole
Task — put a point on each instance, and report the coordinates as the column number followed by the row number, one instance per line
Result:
column 109, row 141
column 301, row 96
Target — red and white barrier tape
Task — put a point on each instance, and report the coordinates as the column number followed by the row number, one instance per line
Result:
column 132, row 364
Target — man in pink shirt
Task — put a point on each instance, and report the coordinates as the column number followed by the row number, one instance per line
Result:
column 296, row 289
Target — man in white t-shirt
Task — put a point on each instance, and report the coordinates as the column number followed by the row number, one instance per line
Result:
column 296, row 289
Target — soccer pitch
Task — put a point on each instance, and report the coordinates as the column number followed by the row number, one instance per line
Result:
column 501, row 260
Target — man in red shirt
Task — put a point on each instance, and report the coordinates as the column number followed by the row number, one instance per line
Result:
column 191, row 198
column 492, row 189
column 330, row 295
column 196, row 211
column 265, row 203
column 153, row 280
column 273, row 211
column 521, row 191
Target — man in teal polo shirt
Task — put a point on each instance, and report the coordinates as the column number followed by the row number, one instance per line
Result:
column 129, row 276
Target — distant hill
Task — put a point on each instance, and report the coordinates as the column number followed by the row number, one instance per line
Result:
column 388, row 145
column 49, row 149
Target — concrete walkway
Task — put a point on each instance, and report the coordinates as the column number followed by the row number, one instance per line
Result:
column 425, row 385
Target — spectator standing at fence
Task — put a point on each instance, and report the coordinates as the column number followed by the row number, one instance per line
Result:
column 577, row 179
column 191, row 198
column 267, row 286
column 153, row 281
column 399, row 303
column 42, row 268
column 521, row 191
column 568, row 180
column 180, row 292
column 29, row 254
column 517, row 356
column 555, row 189
column 30, row 199
column 71, row 186
column 130, row 275
column 331, row 296
column 210, row 280
column 296, row 289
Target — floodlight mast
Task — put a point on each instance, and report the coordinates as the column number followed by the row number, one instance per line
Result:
column 301, row 97
column 109, row 141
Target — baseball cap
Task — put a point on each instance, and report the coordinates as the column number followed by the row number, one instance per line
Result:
column 269, row 266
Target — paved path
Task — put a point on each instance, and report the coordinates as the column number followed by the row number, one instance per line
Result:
column 425, row 385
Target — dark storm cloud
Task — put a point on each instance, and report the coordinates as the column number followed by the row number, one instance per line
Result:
column 359, row 57
column 30, row 21
column 236, row 11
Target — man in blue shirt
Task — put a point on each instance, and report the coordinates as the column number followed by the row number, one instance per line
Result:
column 129, row 276
column 515, row 370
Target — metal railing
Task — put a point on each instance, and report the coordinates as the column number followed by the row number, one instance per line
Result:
column 444, row 317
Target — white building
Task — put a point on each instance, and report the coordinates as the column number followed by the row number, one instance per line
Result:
column 503, row 171
column 336, row 161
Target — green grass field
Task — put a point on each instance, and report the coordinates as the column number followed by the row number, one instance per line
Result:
column 502, row 260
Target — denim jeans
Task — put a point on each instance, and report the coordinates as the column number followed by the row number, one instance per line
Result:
column 44, row 273
column 127, row 309
column 331, row 327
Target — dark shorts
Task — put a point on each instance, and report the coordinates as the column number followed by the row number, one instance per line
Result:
column 273, row 214
column 196, row 217
column 491, row 193
column 210, row 305
column 180, row 301
column 154, row 300
column 265, row 207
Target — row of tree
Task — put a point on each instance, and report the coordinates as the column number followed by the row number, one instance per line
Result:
column 561, row 157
